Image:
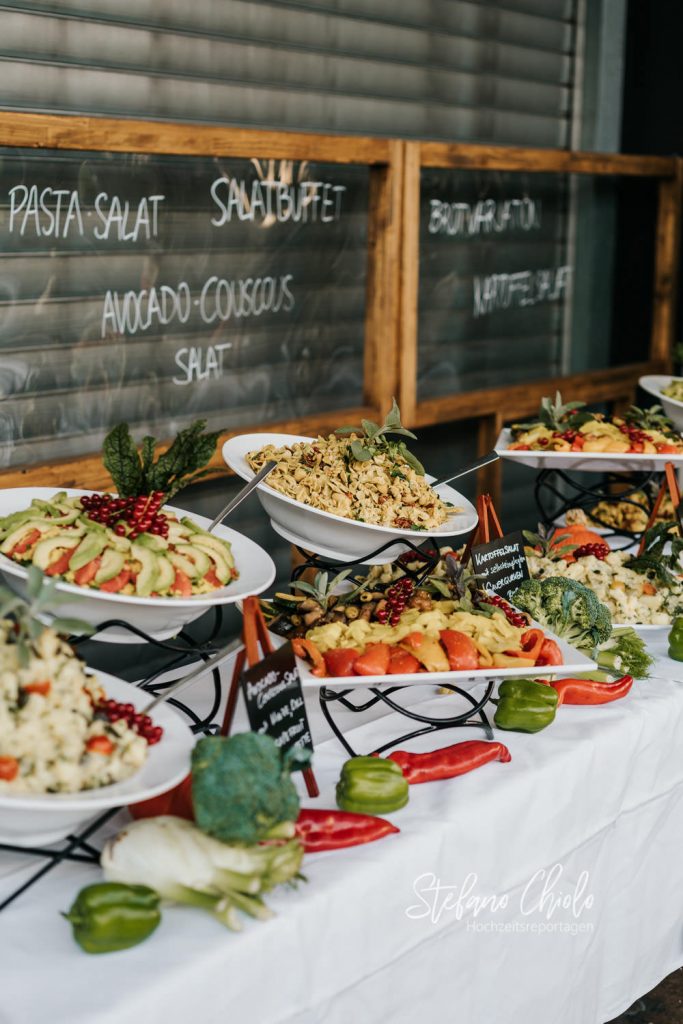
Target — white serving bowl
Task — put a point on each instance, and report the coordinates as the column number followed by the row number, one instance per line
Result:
column 320, row 531
column 29, row 819
column 653, row 384
column 160, row 617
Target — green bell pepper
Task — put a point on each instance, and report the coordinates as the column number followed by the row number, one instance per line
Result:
column 110, row 916
column 371, row 785
column 525, row 705
column 676, row 639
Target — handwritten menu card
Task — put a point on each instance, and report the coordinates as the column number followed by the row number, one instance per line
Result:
column 502, row 563
column 275, row 701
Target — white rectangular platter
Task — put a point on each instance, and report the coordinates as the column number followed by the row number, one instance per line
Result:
column 591, row 462
column 574, row 662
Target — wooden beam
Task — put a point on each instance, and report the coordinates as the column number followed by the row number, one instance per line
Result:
column 512, row 158
column 490, row 478
column 520, row 400
column 410, row 283
column 88, row 472
column 383, row 283
column 667, row 250
column 56, row 131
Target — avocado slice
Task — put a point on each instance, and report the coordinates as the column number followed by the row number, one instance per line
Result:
column 166, row 577
column 42, row 556
column 221, row 563
column 153, row 542
column 146, row 582
column 111, row 565
column 92, row 545
column 18, row 534
column 201, row 561
column 182, row 563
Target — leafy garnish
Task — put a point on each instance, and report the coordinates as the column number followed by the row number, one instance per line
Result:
column 322, row 589
column 542, row 542
column 558, row 415
column 653, row 418
column 28, row 628
column 136, row 473
column 373, row 439
column 656, row 557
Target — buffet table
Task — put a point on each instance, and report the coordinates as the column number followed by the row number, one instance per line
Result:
column 544, row 891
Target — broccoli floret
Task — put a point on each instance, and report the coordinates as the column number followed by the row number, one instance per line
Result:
column 242, row 789
column 569, row 609
column 528, row 598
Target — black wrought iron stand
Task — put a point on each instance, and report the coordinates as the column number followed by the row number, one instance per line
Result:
column 427, row 555
column 563, row 491
column 182, row 649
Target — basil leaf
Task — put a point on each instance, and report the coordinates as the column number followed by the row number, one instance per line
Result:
column 121, row 460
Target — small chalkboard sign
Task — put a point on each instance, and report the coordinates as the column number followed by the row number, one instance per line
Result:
column 502, row 563
column 275, row 701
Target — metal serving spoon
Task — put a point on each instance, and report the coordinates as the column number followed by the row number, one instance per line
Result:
column 485, row 460
column 244, row 493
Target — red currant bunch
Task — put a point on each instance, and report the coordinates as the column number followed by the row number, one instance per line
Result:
column 396, row 598
column 600, row 551
column 513, row 617
column 128, row 517
column 114, row 711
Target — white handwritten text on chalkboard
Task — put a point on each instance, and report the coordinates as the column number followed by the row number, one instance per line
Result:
column 484, row 217
column 303, row 202
column 523, row 288
column 56, row 212
column 218, row 300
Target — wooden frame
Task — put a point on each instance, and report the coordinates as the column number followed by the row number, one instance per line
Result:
column 490, row 406
column 382, row 156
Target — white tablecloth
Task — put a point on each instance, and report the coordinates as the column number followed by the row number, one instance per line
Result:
column 591, row 808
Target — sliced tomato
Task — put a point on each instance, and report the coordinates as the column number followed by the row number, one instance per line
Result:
column 182, row 584
column 43, row 688
column 401, row 662
column 25, row 544
column 637, row 447
column 340, row 662
column 550, row 654
column 211, row 578
column 460, row 650
column 578, row 443
column 61, row 564
column 667, row 449
column 374, row 662
column 87, row 572
column 117, row 583
column 9, row 768
column 100, row 745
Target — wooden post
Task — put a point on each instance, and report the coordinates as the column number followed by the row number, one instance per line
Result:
column 382, row 295
column 410, row 282
column 667, row 241
column 489, row 479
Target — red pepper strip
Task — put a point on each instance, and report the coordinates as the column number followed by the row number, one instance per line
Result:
column 590, row 691
column 550, row 654
column 447, row 762
column 335, row 830
column 532, row 641
column 306, row 649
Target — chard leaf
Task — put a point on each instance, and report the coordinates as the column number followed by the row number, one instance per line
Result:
column 190, row 451
column 121, row 460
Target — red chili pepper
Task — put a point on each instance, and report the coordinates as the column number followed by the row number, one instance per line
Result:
column 335, row 830
column 590, row 691
column 550, row 654
column 447, row 762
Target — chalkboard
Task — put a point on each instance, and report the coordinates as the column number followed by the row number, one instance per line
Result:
column 502, row 563
column 275, row 701
column 494, row 279
column 154, row 288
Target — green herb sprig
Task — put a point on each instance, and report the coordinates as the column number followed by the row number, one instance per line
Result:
column 373, row 440
column 136, row 473
column 558, row 415
column 28, row 628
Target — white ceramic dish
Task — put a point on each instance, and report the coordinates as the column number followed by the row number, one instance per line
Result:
column 320, row 530
column 334, row 556
column 592, row 462
column 161, row 617
column 574, row 662
column 28, row 819
column 653, row 384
